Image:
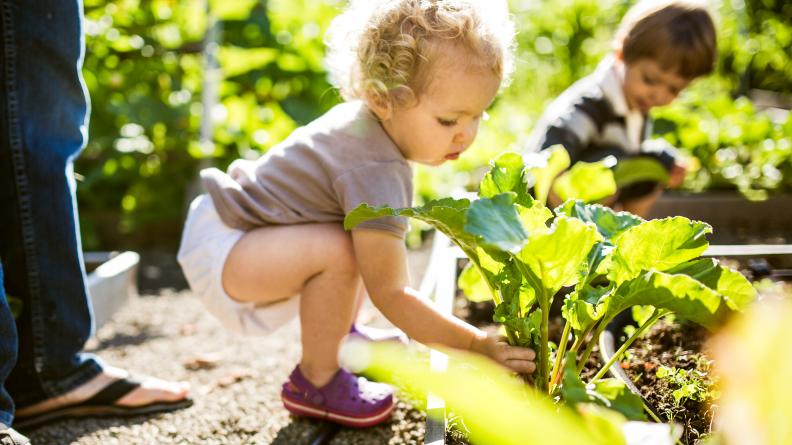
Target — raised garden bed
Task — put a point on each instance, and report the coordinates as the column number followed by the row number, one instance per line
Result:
column 734, row 219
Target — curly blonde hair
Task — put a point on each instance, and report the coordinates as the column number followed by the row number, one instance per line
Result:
column 384, row 50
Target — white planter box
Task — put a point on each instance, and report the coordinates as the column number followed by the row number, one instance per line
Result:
column 112, row 283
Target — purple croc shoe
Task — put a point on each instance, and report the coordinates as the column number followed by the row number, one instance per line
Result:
column 348, row 400
column 366, row 333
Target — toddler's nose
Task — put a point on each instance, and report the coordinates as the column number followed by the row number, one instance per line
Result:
column 467, row 134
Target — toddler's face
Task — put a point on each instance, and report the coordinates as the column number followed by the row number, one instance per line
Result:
column 446, row 118
column 647, row 84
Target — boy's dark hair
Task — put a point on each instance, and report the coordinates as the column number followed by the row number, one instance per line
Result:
column 678, row 34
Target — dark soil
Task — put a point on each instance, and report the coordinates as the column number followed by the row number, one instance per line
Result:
column 680, row 345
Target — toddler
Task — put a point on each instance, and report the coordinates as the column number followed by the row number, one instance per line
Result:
column 660, row 48
column 267, row 242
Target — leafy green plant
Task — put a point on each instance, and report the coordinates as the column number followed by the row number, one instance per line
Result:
column 147, row 72
column 729, row 144
column 525, row 253
column 691, row 384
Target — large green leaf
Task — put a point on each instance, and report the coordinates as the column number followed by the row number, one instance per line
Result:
column 545, row 170
column 677, row 293
column 497, row 222
column 534, row 217
column 446, row 215
column 508, row 174
column 639, row 169
column 729, row 283
column 659, row 244
column 609, row 223
column 586, row 181
column 553, row 256
column 473, row 285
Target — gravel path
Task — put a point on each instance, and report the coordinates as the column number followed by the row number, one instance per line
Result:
column 237, row 380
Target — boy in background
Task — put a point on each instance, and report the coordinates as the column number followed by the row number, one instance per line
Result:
column 660, row 48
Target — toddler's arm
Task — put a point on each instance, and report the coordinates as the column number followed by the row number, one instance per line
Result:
column 382, row 261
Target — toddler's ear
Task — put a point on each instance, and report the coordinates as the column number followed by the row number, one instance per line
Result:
column 618, row 49
column 378, row 105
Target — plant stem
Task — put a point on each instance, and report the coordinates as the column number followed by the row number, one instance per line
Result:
column 498, row 300
column 494, row 292
column 544, row 305
column 561, row 353
column 544, row 337
column 511, row 337
column 652, row 320
column 590, row 347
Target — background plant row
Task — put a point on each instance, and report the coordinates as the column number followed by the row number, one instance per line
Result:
column 146, row 70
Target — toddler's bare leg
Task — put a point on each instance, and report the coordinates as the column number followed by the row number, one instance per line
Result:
column 317, row 262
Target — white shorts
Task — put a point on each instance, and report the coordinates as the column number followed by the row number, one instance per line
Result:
column 205, row 245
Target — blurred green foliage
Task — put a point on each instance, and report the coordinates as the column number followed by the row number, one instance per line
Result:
column 145, row 69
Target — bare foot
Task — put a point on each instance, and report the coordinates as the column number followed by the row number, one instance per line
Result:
column 151, row 390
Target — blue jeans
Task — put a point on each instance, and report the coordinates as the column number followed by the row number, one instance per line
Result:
column 43, row 127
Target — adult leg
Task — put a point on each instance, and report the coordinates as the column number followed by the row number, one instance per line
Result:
column 44, row 111
column 317, row 262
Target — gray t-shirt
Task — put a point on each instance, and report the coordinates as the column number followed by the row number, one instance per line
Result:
column 318, row 174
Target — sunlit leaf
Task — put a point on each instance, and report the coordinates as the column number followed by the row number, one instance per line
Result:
column 678, row 293
column 547, row 171
column 628, row 171
column 495, row 410
column 586, row 181
column 473, row 285
column 658, row 244
column 553, row 256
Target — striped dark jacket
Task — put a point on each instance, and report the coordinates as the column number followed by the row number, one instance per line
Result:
column 591, row 120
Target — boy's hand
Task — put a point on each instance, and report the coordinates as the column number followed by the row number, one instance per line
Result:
column 677, row 175
column 496, row 347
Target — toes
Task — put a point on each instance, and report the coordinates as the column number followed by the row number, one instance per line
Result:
column 155, row 390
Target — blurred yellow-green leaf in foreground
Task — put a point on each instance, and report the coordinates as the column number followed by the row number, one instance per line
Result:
column 754, row 360
column 498, row 409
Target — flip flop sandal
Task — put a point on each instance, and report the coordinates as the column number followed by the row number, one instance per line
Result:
column 101, row 405
column 348, row 400
column 11, row 437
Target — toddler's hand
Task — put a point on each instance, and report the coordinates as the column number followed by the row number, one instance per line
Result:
column 496, row 347
column 677, row 175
